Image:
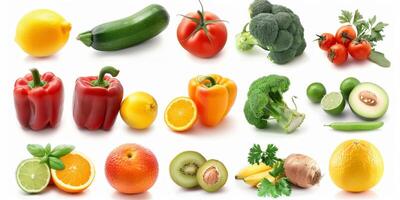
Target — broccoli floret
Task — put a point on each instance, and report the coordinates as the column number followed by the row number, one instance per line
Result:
column 283, row 42
column 274, row 28
column 301, row 48
column 258, row 122
column 278, row 8
column 265, row 100
column 284, row 20
column 264, row 28
column 260, row 6
column 282, row 57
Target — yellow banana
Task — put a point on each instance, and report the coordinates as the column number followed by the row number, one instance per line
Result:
column 252, row 169
column 254, row 179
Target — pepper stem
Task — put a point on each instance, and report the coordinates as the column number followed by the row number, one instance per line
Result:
column 211, row 80
column 36, row 81
column 100, row 82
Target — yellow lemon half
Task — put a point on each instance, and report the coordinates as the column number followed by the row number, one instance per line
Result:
column 42, row 32
column 356, row 166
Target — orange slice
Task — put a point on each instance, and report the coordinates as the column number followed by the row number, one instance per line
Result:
column 77, row 175
column 181, row 114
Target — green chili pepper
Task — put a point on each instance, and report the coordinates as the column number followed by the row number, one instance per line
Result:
column 355, row 126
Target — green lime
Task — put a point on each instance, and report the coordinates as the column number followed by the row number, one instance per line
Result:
column 315, row 92
column 347, row 86
column 32, row 175
column 333, row 103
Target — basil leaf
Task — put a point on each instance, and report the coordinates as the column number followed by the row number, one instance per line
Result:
column 36, row 150
column 56, row 163
column 61, row 150
column 48, row 149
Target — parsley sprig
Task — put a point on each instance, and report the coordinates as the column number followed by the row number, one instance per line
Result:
column 280, row 186
column 369, row 30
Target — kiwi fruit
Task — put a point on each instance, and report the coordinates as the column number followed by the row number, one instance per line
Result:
column 212, row 175
column 183, row 168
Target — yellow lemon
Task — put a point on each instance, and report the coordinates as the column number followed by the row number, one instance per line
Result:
column 356, row 166
column 42, row 32
column 139, row 110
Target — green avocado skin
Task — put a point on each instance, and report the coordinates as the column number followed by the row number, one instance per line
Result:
column 130, row 31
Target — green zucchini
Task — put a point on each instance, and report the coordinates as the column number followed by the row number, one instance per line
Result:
column 127, row 32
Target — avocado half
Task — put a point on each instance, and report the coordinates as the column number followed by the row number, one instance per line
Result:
column 369, row 101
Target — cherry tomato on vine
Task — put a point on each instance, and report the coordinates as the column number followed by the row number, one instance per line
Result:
column 360, row 50
column 337, row 54
column 202, row 33
column 345, row 34
column 326, row 40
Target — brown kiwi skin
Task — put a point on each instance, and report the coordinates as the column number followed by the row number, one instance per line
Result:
column 176, row 168
column 215, row 173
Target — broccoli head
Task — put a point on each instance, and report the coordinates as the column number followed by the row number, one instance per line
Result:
column 265, row 100
column 274, row 28
column 260, row 6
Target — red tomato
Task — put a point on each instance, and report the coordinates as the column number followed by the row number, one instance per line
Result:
column 360, row 50
column 202, row 34
column 337, row 54
column 326, row 40
column 345, row 35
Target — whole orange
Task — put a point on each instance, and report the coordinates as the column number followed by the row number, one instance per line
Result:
column 131, row 169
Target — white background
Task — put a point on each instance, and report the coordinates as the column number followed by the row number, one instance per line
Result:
column 162, row 68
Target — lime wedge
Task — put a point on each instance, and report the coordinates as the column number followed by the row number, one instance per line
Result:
column 333, row 103
column 33, row 176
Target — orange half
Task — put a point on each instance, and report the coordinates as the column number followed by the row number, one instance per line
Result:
column 77, row 175
column 181, row 114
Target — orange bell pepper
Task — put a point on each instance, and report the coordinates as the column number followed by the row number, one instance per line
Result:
column 214, row 96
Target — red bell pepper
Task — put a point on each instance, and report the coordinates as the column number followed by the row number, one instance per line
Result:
column 97, row 100
column 38, row 100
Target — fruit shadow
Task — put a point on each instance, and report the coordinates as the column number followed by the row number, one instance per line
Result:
column 343, row 195
column 146, row 46
column 120, row 196
column 200, row 130
column 39, row 133
column 32, row 59
column 146, row 131
column 274, row 128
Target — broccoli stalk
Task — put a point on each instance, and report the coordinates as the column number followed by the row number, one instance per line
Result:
column 265, row 100
column 244, row 40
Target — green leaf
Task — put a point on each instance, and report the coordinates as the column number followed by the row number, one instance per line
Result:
column 56, row 163
column 62, row 150
column 357, row 16
column 48, row 149
column 277, row 169
column 379, row 26
column 345, row 17
column 255, row 154
column 266, row 188
column 379, row 59
column 269, row 157
column 284, row 187
column 36, row 150
column 44, row 159
column 372, row 20
column 281, row 188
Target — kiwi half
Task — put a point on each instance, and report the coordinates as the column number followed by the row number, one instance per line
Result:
column 212, row 175
column 183, row 168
